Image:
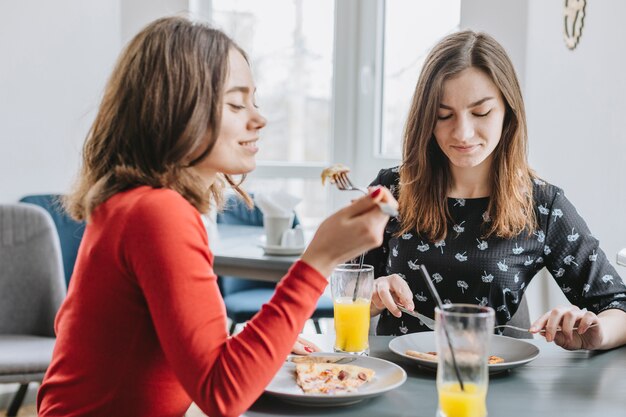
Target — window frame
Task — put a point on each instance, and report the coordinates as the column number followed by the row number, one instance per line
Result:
column 356, row 100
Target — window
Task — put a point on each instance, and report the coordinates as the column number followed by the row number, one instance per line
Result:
column 291, row 55
column 334, row 79
column 290, row 47
column 411, row 28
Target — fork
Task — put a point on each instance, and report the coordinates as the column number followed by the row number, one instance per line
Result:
column 521, row 329
column 430, row 323
column 344, row 184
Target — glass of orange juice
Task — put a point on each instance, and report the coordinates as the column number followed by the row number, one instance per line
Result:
column 351, row 301
column 467, row 329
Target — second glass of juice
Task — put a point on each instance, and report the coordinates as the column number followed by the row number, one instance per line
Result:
column 351, row 287
column 467, row 329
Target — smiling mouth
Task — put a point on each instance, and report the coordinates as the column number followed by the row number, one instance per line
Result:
column 249, row 144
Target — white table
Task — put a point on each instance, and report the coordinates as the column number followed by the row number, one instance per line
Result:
column 237, row 253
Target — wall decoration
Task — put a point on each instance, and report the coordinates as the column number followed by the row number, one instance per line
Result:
column 574, row 14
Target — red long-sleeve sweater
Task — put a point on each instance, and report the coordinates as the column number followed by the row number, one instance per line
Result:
column 143, row 329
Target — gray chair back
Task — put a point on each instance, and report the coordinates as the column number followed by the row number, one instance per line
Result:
column 521, row 318
column 32, row 284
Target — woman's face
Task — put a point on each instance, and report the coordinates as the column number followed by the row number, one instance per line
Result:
column 469, row 119
column 236, row 146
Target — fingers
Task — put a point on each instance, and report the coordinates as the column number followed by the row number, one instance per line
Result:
column 568, row 321
column 403, row 292
column 307, row 343
column 383, row 290
column 391, row 289
column 383, row 196
column 561, row 319
column 304, row 347
column 365, row 203
column 587, row 320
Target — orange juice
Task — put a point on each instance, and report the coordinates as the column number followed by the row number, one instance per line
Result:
column 470, row 402
column 352, row 322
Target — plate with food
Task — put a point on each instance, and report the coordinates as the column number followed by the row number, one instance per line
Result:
column 324, row 379
column 505, row 352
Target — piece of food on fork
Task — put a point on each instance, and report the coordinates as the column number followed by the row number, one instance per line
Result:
column 332, row 172
column 338, row 175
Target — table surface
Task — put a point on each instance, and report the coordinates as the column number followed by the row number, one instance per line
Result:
column 238, row 253
column 558, row 382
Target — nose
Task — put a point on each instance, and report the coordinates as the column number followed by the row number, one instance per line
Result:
column 463, row 129
column 257, row 121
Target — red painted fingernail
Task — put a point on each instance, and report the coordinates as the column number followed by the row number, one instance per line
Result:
column 308, row 349
column 375, row 193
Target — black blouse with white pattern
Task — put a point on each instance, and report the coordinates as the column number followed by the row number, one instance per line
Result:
column 496, row 271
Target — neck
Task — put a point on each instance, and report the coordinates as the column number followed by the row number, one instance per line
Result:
column 470, row 182
column 208, row 177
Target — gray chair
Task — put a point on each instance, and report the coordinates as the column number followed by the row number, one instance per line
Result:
column 521, row 318
column 32, row 287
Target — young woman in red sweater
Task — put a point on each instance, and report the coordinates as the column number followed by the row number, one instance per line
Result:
column 143, row 329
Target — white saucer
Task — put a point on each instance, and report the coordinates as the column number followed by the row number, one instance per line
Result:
column 281, row 250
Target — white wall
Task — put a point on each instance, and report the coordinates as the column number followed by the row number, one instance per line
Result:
column 504, row 20
column 55, row 57
column 135, row 14
column 575, row 102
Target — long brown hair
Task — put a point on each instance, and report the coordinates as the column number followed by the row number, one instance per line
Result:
column 425, row 172
column 164, row 98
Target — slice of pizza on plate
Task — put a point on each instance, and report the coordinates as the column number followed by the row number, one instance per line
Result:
column 331, row 378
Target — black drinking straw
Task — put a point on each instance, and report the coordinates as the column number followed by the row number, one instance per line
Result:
column 358, row 275
column 435, row 294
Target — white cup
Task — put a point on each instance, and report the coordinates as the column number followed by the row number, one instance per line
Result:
column 275, row 227
column 293, row 238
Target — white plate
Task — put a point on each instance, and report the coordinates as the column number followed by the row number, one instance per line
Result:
column 515, row 352
column 387, row 377
column 281, row 250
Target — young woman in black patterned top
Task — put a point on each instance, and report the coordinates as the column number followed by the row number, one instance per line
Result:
column 474, row 213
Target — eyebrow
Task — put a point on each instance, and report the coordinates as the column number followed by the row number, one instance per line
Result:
column 474, row 104
column 239, row 89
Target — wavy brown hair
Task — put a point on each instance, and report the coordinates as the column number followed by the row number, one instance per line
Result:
column 164, row 98
column 425, row 173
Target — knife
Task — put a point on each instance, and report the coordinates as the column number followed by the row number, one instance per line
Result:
column 426, row 321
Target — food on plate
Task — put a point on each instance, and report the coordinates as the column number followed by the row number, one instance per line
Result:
column 427, row 356
column 315, row 359
column 332, row 171
column 432, row 356
column 493, row 359
column 331, row 378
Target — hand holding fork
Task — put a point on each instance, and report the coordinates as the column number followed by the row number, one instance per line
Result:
column 341, row 179
column 430, row 323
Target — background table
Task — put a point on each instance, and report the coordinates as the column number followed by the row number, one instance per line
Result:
column 557, row 383
column 237, row 253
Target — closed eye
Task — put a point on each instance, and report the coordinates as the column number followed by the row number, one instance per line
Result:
column 482, row 114
column 444, row 117
column 236, row 106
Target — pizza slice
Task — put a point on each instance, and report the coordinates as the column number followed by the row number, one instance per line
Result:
column 331, row 378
